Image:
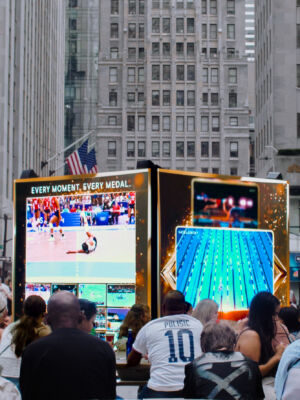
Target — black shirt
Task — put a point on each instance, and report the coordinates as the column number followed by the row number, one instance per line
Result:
column 68, row 364
column 223, row 375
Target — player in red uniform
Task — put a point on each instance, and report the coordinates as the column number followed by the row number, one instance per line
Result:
column 131, row 205
column 46, row 210
column 36, row 211
column 56, row 217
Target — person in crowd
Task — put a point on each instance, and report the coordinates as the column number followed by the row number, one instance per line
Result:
column 287, row 380
column 222, row 373
column 189, row 308
column 4, row 319
column 68, row 363
column 206, row 311
column 170, row 342
column 8, row 390
column 6, row 290
column 293, row 300
column 89, row 313
column 290, row 317
column 17, row 336
column 136, row 318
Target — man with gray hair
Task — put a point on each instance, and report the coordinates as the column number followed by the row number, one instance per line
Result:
column 69, row 363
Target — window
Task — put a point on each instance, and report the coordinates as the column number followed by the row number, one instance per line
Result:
column 204, row 31
column 180, row 124
column 204, row 170
column 166, row 149
column 230, row 52
column 166, row 25
column 166, row 72
column 155, row 98
column 232, row 75
column 179, row 149
column 141, row 76
column 131, row 31
column 155, row 25
column 114, row 7
column 298, row 126
column 180, row 72
column 179, row 49
column 232, row 100
column 215, row 122
column 130, row 149
column 155, row 49
column 234, row 149
column 141, row 52
column 132, row 53
column 179, row 4
column 166, row 4
column 113, row 99
column 166, row 97
column 230, row 7
column 205, row 75
column 130, row 123
column 213, row 7
column 234, row 171
column 73, row 3
column 179, row 25
column 298, row 75
column 190, row 49
column 204, row 51
column 205, row 99
column 190, row 149
column 166, row 123
column 233, row 121
column 216, row 171
column 190, row 25
column 213, row 31
column 191, row 97
column 155, row 149
column 213, row 52
column 214, row 99
column 166, row 49
column 114, row 53
column 155, row 4
column 131, row 97
column 155, row 123
column 215, row 149
column 113, row 75
column 155, row 72
column 72, row 24
column 179, row 98
column 204, row 123
column 141, row 31
column 141, row 97
column 131, row 75
column 298, row 3
column 132, row 7
column 112, row 148
column 204, row 7
column 190, row 4
column 191, row 72
column 141, row 123
column 230, row 31
column 191, row 124
column 214, row 75
column 204, row 149
column 112, row 120
column 141, row 7
column 142, row 149
column 114, row 31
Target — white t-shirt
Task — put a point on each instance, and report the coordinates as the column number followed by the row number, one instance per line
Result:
column 170, row 342
column 8, row 360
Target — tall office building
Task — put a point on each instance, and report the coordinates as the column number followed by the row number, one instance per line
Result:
column 81, row 70
column 250, row 29
column 31, row 92
column 173, row 85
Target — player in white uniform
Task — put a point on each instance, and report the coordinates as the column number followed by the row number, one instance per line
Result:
column 170, row 343
column 89, row 245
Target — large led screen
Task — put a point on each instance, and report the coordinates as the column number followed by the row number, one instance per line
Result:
column 87, row 234
column 227, row 265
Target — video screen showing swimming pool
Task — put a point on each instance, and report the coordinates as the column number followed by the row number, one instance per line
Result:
column 226, row 265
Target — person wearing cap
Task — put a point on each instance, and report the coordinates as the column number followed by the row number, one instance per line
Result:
column 170, row 343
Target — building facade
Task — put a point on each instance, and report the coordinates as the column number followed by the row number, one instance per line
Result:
column 81, row 70
column 173, row 85
column 31, row 93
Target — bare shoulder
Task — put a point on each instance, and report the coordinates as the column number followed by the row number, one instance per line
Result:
column 249, row 334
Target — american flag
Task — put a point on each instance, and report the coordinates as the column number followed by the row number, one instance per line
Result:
column 82, row 162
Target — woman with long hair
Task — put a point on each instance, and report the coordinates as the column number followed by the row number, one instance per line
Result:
column 255, row 340
column 136, row 318
column 88, row 314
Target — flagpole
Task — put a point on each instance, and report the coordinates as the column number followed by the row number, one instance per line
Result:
column 44, row 163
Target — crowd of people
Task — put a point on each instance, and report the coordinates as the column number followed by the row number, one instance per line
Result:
column 50, row 353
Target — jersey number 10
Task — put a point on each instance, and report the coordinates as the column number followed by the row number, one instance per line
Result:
column 180, row 333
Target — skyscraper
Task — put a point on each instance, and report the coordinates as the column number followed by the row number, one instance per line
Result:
column 173, row 85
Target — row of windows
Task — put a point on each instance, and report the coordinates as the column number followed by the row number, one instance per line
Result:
column 205, row 149
column 181, row 25
column 166, row 122
column 165, row 4
column 132, row 31
column 134, row 7
column 213, row 31
column 165, row 100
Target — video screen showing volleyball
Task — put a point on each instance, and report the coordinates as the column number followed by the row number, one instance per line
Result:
column 81, row 239
column 219, row 204
column 227, row 265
